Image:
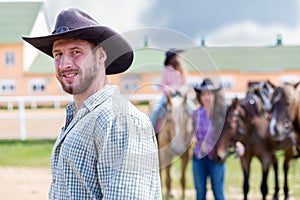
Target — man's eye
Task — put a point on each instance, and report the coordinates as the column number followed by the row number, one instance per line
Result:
column 75, row 52
column 56, row 55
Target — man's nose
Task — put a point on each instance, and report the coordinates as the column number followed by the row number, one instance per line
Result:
column 65, row 62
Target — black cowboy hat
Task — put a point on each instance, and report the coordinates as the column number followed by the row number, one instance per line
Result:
column 206, row 85
column 170, row 53
column 74, row 23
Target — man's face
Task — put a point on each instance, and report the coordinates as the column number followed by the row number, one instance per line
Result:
column 75, row 64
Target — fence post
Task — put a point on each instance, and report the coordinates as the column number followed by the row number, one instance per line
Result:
column 22, row 124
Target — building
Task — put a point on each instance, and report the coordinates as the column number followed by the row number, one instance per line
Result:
column 23, row 71
column 234, row 67
column 26, row 72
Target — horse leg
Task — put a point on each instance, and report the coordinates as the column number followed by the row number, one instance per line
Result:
column 286, row 165
column 276, row 187
column 184, row 163
column 246, row 172
column 168, row 182
column 264, row 184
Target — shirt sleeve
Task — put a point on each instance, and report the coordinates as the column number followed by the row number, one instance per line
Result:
column 128, row 165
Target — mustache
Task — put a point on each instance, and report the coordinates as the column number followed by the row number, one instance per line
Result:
column 62, row 72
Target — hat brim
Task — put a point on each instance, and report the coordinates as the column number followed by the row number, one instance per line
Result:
column 206, row 89
column 120, row 53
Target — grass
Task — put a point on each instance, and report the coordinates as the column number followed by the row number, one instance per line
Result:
column 36, row 153
column 234, row 180
column 29, row 153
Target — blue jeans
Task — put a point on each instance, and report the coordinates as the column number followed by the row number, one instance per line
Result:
column 158, row 111
column 204, row 167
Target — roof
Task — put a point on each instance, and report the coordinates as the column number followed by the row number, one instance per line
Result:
column 147, row 60
column 244, row 59
column 42, row 65
column 16, row 19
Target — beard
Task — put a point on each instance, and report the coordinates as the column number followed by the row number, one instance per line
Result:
column 82, row 82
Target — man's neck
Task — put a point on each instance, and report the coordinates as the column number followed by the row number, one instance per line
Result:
column 80, row 98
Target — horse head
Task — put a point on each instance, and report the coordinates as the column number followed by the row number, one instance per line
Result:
column 182, row 118
column 240, row 123
column 284, row 111
column 229, row 133
column 176, row 132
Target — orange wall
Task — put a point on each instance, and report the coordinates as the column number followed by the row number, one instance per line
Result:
column 145, row 83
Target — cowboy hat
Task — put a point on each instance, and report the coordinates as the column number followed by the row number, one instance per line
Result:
column 206, row 85
column 170, row 53
column 74, row 23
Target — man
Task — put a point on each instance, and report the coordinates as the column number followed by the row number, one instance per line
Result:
column 107, row 148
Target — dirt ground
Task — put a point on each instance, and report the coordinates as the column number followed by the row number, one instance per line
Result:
column 24, row 183
column 33, row 184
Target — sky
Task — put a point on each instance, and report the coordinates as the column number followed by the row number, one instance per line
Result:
column 219, row 23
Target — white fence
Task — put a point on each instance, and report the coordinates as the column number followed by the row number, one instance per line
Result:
column 21, row 115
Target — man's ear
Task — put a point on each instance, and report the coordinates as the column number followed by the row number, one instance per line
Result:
column 101, row 54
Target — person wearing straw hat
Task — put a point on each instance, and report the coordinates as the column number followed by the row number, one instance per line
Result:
column 202, row 163
column 107, row 148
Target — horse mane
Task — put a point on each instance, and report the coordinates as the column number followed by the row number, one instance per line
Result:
column 219, row 112
column 295, row 105
column 291, row 92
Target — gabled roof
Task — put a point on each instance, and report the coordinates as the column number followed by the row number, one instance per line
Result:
column 41, row 65
column 16, row 19
column 244, row 59
column 147, row 60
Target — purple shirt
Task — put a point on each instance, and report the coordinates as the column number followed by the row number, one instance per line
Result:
column 204, row 133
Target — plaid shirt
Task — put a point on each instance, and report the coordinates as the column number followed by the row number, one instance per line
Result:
column 204, row 133
column 107, row 150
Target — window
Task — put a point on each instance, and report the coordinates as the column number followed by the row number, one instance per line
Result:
column 37, row 85
column 130, row 83
column 9, row 58
column 7, row 86
column 228, row 82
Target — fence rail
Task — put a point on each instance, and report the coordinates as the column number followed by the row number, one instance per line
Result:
column 21, row 101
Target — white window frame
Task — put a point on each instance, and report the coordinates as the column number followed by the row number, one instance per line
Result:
column 37, row 85
column 7, row 86
column 10, row 58
column 130, row 83
column 228, row 82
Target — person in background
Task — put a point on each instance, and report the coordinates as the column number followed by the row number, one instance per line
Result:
column 206, row 137
column 107, row 148
column 173, row 82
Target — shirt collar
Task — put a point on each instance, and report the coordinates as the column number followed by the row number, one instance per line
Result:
column 100, row 96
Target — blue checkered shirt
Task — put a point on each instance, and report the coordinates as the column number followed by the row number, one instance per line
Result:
column 106, row 150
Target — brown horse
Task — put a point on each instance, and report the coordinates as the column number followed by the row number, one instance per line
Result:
column 174, row 139
column 285, row 111
column 285, row 122
column 246, row 122
column 242, row 125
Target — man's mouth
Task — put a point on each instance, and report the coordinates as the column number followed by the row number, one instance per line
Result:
column 69, row 76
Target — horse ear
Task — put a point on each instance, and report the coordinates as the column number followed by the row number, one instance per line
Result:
column 271, row 84
column 185, row 98
column 235, row 101
column 296, row 85
column 168, row 99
